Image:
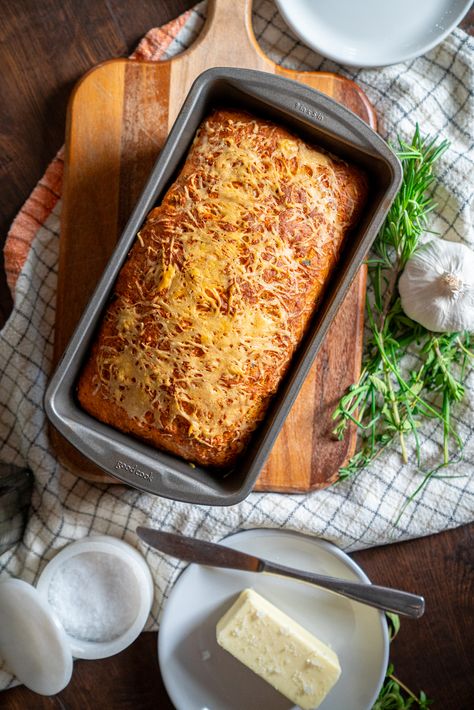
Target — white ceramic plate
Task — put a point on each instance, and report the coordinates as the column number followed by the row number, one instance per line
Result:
column 373, row 32
column 199, row 675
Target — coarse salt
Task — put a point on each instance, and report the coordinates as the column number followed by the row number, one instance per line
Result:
column 95, row 596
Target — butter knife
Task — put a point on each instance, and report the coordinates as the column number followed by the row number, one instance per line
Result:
column 216, row 555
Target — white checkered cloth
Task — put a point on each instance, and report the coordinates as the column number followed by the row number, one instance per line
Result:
column 437, row 92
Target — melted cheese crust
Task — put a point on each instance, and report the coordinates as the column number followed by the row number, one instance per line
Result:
column 218, row 289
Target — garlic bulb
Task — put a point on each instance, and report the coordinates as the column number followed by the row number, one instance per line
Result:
column 437, row 287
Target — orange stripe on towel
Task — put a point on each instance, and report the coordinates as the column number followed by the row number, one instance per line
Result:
column 31, row 217
column 157, row 40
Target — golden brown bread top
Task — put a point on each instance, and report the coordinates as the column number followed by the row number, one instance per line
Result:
column 218, row 288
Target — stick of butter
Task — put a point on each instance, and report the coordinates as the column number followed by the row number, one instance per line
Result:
column 279, row 650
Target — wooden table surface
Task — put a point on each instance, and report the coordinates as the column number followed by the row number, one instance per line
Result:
column 44, row 48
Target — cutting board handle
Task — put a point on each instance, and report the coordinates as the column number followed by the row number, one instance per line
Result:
column 227, row 38
column 229, row 23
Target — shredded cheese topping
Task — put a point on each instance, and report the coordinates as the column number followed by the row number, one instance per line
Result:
column 222, row 280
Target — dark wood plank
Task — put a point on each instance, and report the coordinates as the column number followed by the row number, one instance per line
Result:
column 467, row 23
column 45, row 46
column 130, row 680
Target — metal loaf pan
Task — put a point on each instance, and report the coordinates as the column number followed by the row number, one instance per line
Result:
column 315, row 118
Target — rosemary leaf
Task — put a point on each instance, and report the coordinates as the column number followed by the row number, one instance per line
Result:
column 396, row 696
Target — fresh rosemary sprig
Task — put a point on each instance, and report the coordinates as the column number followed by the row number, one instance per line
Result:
column 388, row 402
column 394, row 694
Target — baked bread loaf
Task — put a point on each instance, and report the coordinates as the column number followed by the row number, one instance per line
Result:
column 218, row 289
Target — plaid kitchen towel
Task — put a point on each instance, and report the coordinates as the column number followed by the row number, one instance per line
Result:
column 436, row 91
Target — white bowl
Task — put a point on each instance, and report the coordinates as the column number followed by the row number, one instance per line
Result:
column 33, row 642
column 131, row 557
column 372, row 33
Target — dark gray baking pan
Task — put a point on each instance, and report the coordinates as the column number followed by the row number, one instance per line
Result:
column 315, row 118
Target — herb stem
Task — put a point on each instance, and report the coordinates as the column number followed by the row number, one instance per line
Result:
column 446, row 427
column 446, row 403
column 396, row 414
column 402, row 685
column 467, row 352
column 389, row 293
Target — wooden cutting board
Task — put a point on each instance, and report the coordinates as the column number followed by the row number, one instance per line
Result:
column 118, row 119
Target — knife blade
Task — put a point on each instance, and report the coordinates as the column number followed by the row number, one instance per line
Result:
column 199, row 551
column 216, row 555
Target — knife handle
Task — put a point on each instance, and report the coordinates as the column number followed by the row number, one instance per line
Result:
column 383, row 598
